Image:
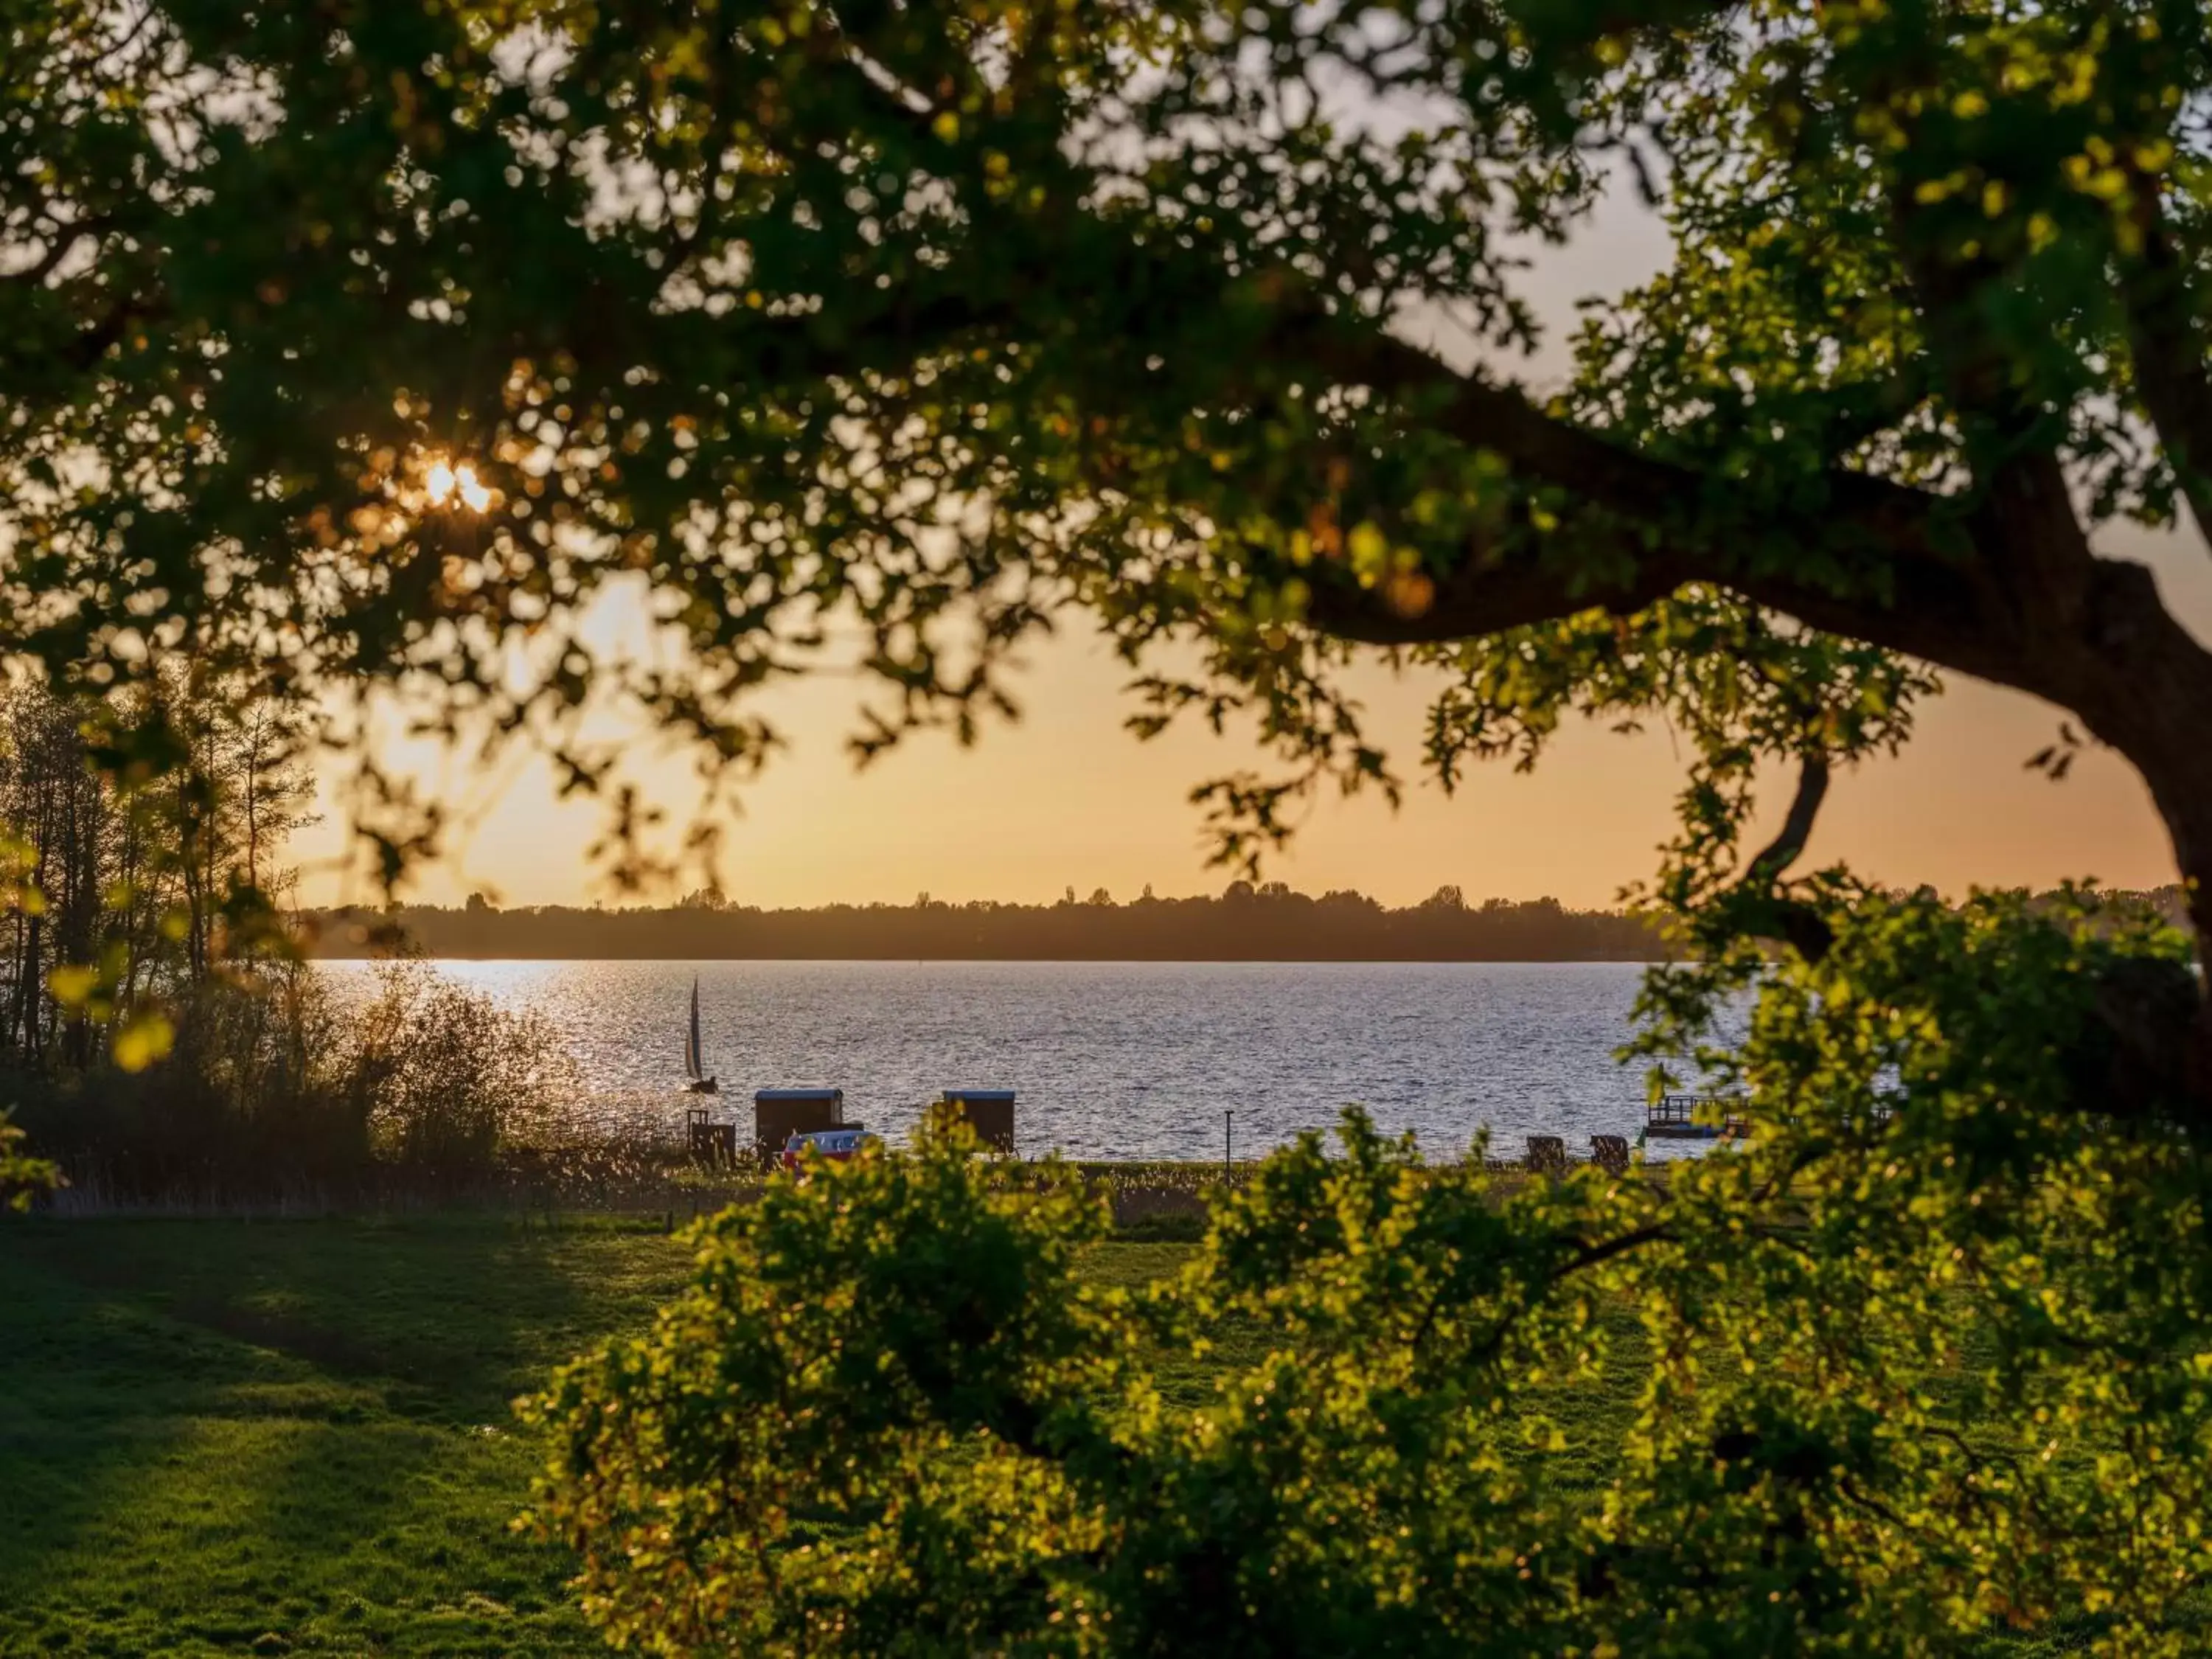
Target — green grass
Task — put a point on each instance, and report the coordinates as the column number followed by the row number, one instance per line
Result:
column 229, row 1437
column 226, row 1437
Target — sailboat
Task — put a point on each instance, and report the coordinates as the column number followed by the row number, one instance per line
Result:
column 701, row 1084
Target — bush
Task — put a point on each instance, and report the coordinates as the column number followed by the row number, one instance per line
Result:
column 1924, row 1362
column 274, row 1084
column 249, row 1095
column 891, row 1415
column 23, row 1177
column 448, row 1079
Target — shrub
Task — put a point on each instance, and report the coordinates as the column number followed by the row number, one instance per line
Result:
column 274, row 1084
column 250, row 1094
column 448, row 1079
column 23, row 1177
column 1923, row 1361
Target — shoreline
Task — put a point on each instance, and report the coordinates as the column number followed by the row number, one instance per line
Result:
column 371, row 955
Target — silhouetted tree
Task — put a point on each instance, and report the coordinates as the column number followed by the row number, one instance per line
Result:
column 1347, row 926
column 133, row 887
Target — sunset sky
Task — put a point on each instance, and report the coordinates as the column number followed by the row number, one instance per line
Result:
column 1066, row 797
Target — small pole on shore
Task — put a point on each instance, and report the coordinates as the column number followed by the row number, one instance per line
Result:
column 1228, row 1141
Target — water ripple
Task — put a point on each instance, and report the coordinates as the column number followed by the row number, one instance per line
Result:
column 1112, row 1059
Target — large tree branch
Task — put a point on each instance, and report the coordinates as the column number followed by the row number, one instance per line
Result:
column 1850, row 554
column 2001, row 587
column 1789, row 842
column 2012, row 442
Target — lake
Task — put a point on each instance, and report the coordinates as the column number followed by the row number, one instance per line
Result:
column 1111, row 1060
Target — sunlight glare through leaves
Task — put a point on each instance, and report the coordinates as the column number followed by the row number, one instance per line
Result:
column 445, row 481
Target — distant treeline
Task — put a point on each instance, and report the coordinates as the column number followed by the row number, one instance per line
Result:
column 1267, row 923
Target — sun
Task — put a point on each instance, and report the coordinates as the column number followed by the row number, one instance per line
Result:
column 444, row 482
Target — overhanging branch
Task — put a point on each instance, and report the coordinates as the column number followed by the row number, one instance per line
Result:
column 1846, row 553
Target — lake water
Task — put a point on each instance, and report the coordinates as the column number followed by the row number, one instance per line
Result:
column 1111, row 1060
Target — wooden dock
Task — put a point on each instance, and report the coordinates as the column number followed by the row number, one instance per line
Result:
column 1692, row 1117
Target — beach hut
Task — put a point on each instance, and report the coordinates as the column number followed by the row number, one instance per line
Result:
column 779, row 1114
column 989, row 1112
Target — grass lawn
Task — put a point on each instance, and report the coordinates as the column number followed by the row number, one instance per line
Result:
column 224, row 1437
column 220, row 1437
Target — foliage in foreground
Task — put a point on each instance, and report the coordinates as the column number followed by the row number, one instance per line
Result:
column 22, row 1176
column 1912, row 1380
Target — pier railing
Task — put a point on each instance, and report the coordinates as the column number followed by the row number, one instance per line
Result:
column 1685, row 1111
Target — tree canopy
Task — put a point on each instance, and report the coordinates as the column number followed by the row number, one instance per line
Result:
column 362, row 343
column 358, row 343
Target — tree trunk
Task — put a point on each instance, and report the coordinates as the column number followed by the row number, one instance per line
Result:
column 2142, row 683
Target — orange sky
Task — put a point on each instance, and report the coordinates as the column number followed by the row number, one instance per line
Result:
column 1066, row 798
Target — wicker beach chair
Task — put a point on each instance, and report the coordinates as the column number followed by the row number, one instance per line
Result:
column 1610, row 1153
column 1548, row 1155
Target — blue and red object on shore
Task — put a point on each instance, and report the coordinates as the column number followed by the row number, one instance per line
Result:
column 835, row 1144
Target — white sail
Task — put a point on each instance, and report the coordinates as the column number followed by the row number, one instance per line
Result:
column 691, row 1065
